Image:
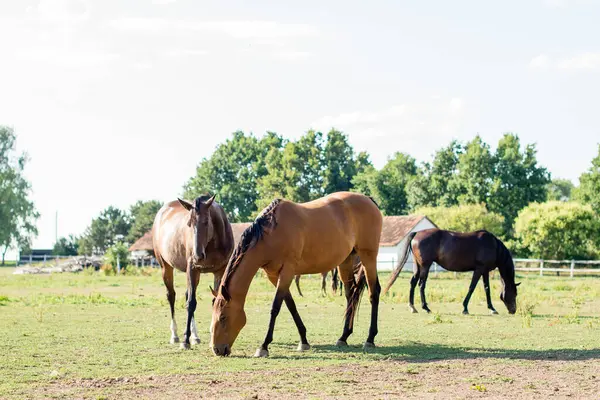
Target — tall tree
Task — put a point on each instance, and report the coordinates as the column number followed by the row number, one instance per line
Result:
column 518, row 179
column 303, row 165
column 232, row 172
column 560, row 190
column 389, row 186
column 473, row 180
column 18, row 215
column 142, row 215
column 339, row 163
column 66, row 246
column 110, row 227
column 443, row 168
column 589, row 185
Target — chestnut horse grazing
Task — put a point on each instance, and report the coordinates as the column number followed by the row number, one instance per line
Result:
column 194, row 238
column 334, row 282
column 289, row 239
column 480, row 252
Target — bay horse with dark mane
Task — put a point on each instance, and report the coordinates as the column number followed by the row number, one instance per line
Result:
column 480, row 252
column 289, row 239
column 194, row 237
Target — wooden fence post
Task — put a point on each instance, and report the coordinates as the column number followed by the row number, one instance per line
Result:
column 572, row 267
column 542, row 268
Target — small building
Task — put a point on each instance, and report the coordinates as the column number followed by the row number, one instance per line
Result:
column 393, row 239
column 394, row 236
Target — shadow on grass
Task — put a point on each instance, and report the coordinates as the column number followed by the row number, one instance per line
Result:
column 415, row 352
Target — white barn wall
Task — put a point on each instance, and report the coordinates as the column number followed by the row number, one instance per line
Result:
column 389, row 255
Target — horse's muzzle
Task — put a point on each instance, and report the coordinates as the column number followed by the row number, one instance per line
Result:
column 222, row 350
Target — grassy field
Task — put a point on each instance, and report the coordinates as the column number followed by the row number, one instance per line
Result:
column 94, row 336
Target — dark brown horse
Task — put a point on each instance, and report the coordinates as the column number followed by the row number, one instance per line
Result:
column 289, row 239
column 194, row 238
column 480, row 252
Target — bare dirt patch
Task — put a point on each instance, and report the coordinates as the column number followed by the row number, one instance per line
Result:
column 465, row 379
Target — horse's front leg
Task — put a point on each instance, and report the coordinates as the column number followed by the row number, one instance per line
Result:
column 476, row 276
column 283, row 290
column 486, row 285
column 193, row 276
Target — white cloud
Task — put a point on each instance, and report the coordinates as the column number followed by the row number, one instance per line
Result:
column 63, row 11
column 409, row 127
column 584, row 61
column 293, row 55
column 236, row 29
column 179, row 52
column 65, row 57
column 539, row 62
column 163, row 2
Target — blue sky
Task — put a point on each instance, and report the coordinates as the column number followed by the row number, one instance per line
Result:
column 118, row 101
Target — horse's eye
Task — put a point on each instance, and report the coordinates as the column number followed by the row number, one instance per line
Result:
column 221, row 317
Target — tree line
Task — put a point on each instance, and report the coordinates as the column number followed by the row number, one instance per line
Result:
column 464, row 186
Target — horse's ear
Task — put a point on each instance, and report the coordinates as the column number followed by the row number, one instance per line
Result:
column 517, row 284
column 225, row 293
column 210, row 201
column 213, row 291
column 186, row 204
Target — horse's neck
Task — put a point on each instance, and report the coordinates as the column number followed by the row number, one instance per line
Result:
column 241, row 278
column 507, row 272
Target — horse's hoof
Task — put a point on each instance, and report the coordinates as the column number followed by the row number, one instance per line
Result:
column 261, row 353
column 369, row 345
column 428, row 311
column 195, row 340
column 341, row 343
column 493, row 312
column 185, row 346
column 413, row 310
column 303, row 347
column 465, row 312
column 174, row 340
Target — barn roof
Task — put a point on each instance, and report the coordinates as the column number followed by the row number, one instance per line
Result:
column 395, row 228
column 143, row 243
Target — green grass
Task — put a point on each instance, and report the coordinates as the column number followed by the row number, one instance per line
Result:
column 65, row 327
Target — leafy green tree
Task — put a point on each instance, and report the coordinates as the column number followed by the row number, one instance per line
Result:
column 472, row 181
column 110, row 227
column 560, row 190
column 66, row 246
column 558, row 230
column 517, row 179
column 303, row 165
column 588, row 191
column 142, row 215
column 443, row 169
column 340, row 165
column 18, row 215
column 389, row 186
column 464, row 218
column 232, row 172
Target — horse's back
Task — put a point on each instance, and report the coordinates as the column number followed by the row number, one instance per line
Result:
column 168, row 238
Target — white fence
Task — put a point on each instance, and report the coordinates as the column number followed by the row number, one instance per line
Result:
column 570, row 267
column 557, row 266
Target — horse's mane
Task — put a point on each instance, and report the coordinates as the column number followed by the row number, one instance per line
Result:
column 505, row 262
column 252, row 234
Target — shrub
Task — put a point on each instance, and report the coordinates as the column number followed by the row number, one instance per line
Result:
column 558, row 230
column 465, row 218
column 119, row 253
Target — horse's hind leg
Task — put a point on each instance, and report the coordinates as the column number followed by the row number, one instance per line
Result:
column 424, row 273
column 369, row 261
column 324, row 284
column 476, row 276
column 413, row 284
column 346, row 274
column 486, row 285
column 167, row 274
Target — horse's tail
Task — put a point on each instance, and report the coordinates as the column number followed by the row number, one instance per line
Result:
column 356, row 291
column 401, row 262
column 298, row 285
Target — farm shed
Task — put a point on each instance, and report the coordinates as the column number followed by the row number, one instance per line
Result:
column 393, row 238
